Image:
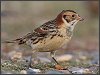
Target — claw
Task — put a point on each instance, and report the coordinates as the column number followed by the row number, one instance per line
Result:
column 58, row 67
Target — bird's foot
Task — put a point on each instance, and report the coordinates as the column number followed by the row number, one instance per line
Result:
column 59, row 67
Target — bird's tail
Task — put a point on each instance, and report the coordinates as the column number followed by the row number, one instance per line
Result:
column 11, row 41
column 19, row 41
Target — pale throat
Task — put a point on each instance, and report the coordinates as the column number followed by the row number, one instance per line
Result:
column 71, row 24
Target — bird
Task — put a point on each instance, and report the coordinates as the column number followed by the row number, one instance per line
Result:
column 51, row 35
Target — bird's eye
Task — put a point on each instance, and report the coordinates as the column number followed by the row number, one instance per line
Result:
column 64, row 16
column 73, row 15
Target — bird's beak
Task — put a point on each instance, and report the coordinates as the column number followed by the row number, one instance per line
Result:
column 80, row 19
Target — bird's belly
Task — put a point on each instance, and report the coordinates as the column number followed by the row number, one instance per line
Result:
column 49, row 44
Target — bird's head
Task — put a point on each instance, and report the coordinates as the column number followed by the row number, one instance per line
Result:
column 68, row 18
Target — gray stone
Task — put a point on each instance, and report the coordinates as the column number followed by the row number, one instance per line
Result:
column 33, row 71
column 54, row 72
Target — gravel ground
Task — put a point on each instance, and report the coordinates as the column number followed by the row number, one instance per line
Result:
column 82, row 62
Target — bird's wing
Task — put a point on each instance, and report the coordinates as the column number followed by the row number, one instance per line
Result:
column 33, row 36
column 38, row 34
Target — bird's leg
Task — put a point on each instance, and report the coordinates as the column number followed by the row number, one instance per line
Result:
column 30, row 62
column 58, row 66
column 52, row 54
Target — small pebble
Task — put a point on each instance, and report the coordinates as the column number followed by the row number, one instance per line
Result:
column 76, row 70
column 54, row 72
column 23, row 72
column 86, row 71
column 17, row 55
column 83, row 57
column 33, row 71
column 65, row 57
column 14, row 56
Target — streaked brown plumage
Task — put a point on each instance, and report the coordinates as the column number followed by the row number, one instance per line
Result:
column 52, row 34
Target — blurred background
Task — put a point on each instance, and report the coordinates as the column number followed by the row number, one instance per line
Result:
column 20, row 17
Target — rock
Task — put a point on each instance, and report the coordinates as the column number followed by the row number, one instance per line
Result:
column 76, row 70
column 65, row 57
column 33, row 71
column 15, row 55
column 54, row 72
column 23, row 72
column 87, row 71
column 80, row 71
column 83, row 57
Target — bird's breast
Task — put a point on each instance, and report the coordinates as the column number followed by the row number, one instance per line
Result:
column 51, row 44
